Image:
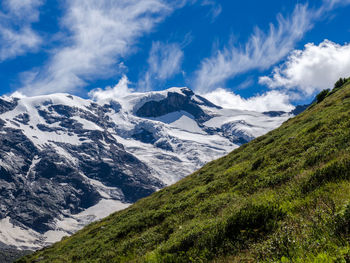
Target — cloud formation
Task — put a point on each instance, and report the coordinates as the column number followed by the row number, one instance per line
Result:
column 118, row 91
column 101, row 33
column 164, row 62
column 270, row 101
column 264, row 50
column 311, row 70
column 260, row 52
column 16, row 34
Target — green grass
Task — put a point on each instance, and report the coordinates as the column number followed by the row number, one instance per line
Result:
column 284, row 197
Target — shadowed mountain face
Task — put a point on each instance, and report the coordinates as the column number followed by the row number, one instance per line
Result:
column 67, row 161
column 42, row 182
column 176, row 101
column 8, row 255
column 7, row 105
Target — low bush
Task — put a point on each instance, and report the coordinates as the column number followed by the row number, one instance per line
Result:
column 322, row 95
column 333, row 171
column 342, row 222
column 340, row 82
column 257, row 163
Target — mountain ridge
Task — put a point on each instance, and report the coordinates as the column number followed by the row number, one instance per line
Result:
column 283, row 197
column 66, row 161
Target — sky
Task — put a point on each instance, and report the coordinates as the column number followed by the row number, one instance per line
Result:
column 252, row 54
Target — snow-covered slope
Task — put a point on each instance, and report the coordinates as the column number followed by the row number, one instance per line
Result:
column 66, row 161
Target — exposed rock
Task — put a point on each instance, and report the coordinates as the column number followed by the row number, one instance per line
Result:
column 176, row 102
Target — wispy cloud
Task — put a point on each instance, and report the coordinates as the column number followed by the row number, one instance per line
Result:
column 101, row 33
column 163, row 63
column 330, row 4
column 260, row 52
column 315, row 68
column 304, row 72
column 215, row 8
column 16, row 34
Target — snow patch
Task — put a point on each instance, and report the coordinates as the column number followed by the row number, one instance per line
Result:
column 27, row 239
column 18, row 237
column 68, row 225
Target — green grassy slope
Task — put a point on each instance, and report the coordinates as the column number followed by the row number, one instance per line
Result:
column 284, row 197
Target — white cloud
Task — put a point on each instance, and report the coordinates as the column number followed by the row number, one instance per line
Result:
column 329, row 4
column 165, row 59
column 102, row 32
column 15, row 43
column 16, row 34
column 118, row 91
column 23, row 9
column 264, row 50
column 215, row 8
column 260, row 52
column 270, row 101
column 315, row 68
column 164, row 62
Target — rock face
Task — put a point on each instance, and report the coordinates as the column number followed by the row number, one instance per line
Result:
column 66, row 161
column 8, row 255
column 177, row 101
column 6, row 105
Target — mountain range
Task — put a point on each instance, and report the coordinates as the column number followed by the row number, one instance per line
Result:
column 282, row 197
column 66, row 161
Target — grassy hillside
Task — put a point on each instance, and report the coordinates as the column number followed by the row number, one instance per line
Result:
column 284, row 197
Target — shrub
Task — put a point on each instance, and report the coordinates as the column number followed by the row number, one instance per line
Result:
column 322, row 95
column 333, row 171
column 203, row 242
column 252, row 220
column 313, row 159
column 257, row 163
column 343, row 222
column 340, row 82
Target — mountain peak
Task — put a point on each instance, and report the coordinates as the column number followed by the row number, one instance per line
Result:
column 177, row 99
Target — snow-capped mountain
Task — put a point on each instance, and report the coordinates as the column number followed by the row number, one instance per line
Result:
column 67, row 161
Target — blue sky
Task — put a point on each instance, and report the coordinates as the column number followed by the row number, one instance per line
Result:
column 258, row 55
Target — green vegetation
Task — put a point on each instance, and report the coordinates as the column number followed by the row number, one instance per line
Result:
column 284, row 197
column 322, row 95
column 340, row 82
